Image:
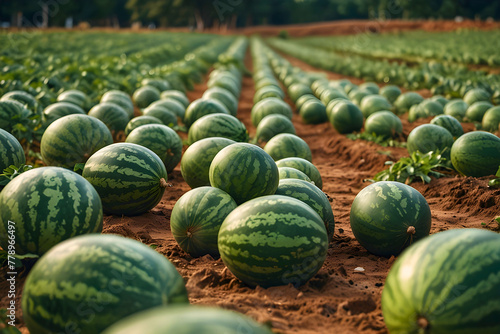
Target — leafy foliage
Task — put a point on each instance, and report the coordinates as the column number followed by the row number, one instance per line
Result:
column 417, row 166
column 11, row 172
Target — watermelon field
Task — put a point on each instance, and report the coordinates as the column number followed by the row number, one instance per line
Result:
column 181, row 182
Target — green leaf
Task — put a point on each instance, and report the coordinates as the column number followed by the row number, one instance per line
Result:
column 498, row 172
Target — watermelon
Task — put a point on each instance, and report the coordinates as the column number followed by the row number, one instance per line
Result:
column 196, row 219
column 445, row 284
column 76, row 97
column 73, row 139
column 388, row 216
column 476, row 154
column 311, row 195
column 404, row 101
column 91, row 282
column 218, row 125
column 272, row 125
column 120, row 98
column 270, row 105
column 287, row 145
column 114, row 116
column 370, row 86
column 166, row 117
column 273, row 240
column 357, row 95
column 384, row 123
column 11, row 151
column 140, row 120
column 440, row 99
column 374, row 103
column 450, row 123
column 476, row 111
column 296, row 90
column 292, row 173
column 415, row 113
column 268, row 91
column 430, row 137
column 313, row 112
column 456, row 108
column 159, row 84
column 226, row 81
column 176, row 95
column 172, row 105
column 130, row 178
column 201, row 107
column 24, row 98
column 430, row 108
column 303, row 99
column 345, row 117
column 390, row 92
column 145, row 95
column 160, row 139
column 330, row 94
column 58, row 110
column 244, row 171
column 187, row 320
column 304, row 166
column 48, row 205
column 223, row 96
column 476, row 95
column 196, row 160
column 491, row 119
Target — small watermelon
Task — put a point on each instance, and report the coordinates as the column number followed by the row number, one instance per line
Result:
column 145, row 95
column 174, row 106
column 159, row 84
column 390, row 92
column 304, row 166
column 272, row 125
column 450, row 123
column 120, row 98
column 456, row 108
column 176, row 95
column 166, row 117
column 11, row 151
column 374, row 103
column 292, row 173
column 345, row 117
column 140, row 120
column 114, row 116
column 430, row 137
column 58, row 110
column 385, row 124
column 267, row 106
column 404, row 101
column 202, row 107
column 313, row 112
column 287, row 145
column 224, row 96
column 76, row 97
column 268, row 91
column 218, row 125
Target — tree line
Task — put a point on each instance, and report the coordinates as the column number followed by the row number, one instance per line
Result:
column 203, row 14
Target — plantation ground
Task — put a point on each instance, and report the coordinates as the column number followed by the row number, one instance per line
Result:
column 338, row 299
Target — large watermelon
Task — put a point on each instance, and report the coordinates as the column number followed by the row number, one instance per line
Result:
column 273, row 240
column 130, row 178
column 196, row 219
column 201, row 107
column 285, row 145
column 430, row 137
column 90, row 282
column 48, row 205
column 73, row 139
column 388, row 216
column 345, row 117
column 446, row 283
column 384, row 123
column 160, row 139
column 267, row 106
column 244, row 171
column 476, row 154
column 11, row 151
column 304, row 166
column 218, row 125
column 114, row 116
column 312, row 196
column 196, row 160
column 188, row 320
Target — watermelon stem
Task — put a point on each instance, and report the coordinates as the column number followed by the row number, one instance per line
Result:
column 411, row 230
column 423, row 323
column 164, row 183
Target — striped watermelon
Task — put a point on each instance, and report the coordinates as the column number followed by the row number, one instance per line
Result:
column 303, row 99
column 11, row 151
column 140, row 120
column 267, row 106
column 272, row 125
column 430, row 137
column 456, row 108
column 345, row 117
column 90, row 282
column 390, row 92
column 491, row 119
column 450, row 123
column 384, row 123
column 159, row 84
column 313, row 112
column 404, row 101
column 476, row 95
column 268, row 91
column 373, row 103
column 187, row 320
column 11, row 113
column 218, row 125
column 196, row 160
column 370, row 86
column 48, row 205
column 476, row 154
column 312, row 196
column 196, row 219
column 386, row 217
column 201, row 107
column 476, row 111
column 24, row 98
column 244, row 171
column 174, row 106
column 331, row 94
column 76, row 97
column 292, row 173
column 73, row 139
column 273, row 240
column 440, row 99
column 166, row 116
column 160, row 139
column 224, row 96
column 130, row 178
column 176, row 95
column 446, row 283
column 58, row 110
column 120, row 98
column 145, row 95
column 304, row 166
column 287, row 145
column 114, row 116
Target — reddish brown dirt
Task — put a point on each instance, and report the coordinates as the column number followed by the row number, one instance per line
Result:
column 338, row 299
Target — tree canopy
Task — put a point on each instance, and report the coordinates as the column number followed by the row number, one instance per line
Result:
column 233, row 13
